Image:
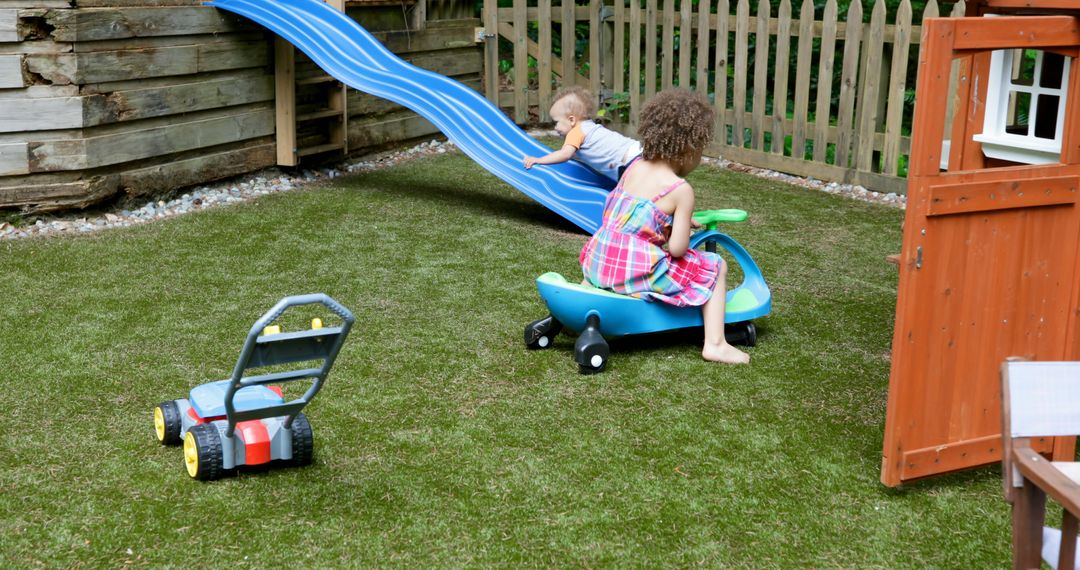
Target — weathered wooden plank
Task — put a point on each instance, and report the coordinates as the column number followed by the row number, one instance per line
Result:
column 848, row 78
column 568, row 34
column 39, row 92
column 668, row 35
column 761, row 74
column 521, row 64
column 134, row 144
column 285, row 103
column 71, row 68
column 168, row 41
column 97, row 67
column 379, row 131
column 21, row 115
column 27, row 47
column 46, row 195
column 702, row 68
column 742, row 31
column 595, row 77
column 863, row 154
column 491, row 50
column 780, row 82
column 898, row 84
column 188, row 97
column 17, row 4
column 451, row 34
column 634, row 50
column 173, row 174
column 619, row 61
column 14, row 159
column 11, row 72
column 802, row 79
column 544, row 61
column 450, row 62
column 650, row 50
column 361, row 104
column 219, row 56
column 686, row 48
column 822, row 111
column 720, row 88
column 9, row 25
column 95, row 24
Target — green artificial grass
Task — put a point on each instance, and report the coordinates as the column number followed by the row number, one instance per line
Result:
column 440, row 441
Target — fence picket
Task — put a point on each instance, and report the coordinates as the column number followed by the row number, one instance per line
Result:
column 802, row 79
column 686, row 42
column 619, row 84
column 863, row 144
column 720, row 87
column 569, row 41
column 669, row 44
column 742, row 28
column 761, row 73
column 780, row 82
column 595, row 75
column 650, row 50
column 702, row 74
column 848, row 80
column 894, row 117
column 521, row 64
column 544, row 62
column 826, row 60
column 635, row 63
column 491, row 51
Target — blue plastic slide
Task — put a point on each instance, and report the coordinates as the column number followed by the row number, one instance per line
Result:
column 344, row 49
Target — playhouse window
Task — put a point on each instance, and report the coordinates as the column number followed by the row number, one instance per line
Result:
column 1025, row 106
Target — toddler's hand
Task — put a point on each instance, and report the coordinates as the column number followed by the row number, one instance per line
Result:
column 695, row 225
column 529, row 162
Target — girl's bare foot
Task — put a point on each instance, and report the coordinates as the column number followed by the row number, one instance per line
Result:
column 724, row 353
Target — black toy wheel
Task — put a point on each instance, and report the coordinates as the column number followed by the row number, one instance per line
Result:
column 744, row 333
column 541, row 334
column 203, row 455
column 167, row 423
column 591, row 350
column 303, row 441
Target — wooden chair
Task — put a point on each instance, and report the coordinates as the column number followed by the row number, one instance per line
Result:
column 1040, row 400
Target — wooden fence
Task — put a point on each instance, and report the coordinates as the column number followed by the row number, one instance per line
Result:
column 854, row 72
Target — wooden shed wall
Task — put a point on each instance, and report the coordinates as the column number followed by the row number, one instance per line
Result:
column 106, row 97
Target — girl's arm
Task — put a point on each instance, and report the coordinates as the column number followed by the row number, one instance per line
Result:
column 679, row 241
column 562, row 155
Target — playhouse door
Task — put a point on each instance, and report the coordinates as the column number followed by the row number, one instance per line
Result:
column 989, row 258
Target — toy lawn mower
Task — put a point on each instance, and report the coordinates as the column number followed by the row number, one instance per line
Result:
column 244, row 420
column 596, row 313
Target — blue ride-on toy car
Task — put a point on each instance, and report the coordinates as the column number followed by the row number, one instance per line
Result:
column 595, row 313
column 244, row 420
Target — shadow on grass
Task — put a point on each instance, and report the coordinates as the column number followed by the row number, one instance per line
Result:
column 514, row 207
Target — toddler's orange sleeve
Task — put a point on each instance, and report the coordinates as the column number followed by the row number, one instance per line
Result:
column 575, row 137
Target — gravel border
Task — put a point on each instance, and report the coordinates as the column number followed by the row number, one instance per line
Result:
column 273, row 180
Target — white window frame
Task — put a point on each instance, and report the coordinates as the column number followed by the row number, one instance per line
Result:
column 1026, row 149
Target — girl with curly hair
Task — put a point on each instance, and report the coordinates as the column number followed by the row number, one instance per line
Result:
column 642, row 247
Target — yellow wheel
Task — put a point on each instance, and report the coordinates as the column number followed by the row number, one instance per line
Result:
column 202, row 452
column 167, row 423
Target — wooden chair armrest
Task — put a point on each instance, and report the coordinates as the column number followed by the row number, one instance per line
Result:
column 1039, row 471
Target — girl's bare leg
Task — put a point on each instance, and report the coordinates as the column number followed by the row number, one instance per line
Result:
column 716, row 348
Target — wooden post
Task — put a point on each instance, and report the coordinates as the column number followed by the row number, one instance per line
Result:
column 285, row 102
column 521, row 63
column 823, row 105
column 544, row 60
column 491, row 50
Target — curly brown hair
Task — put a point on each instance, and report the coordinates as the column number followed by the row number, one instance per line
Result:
column 674, row 124
column 582, row 103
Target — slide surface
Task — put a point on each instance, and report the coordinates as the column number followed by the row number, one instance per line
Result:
column 344, row 49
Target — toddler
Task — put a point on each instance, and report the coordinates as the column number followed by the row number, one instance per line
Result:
column 604, row 150
column 642, row 247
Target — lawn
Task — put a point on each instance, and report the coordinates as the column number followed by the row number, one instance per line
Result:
column 440, row 441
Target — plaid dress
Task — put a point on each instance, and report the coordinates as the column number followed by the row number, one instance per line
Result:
column 626, row 255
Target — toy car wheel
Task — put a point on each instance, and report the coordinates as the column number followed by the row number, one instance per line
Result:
column 203, row 455
column 751, row 334
column 167, row 423
column 303, row 441
column 541, row 334
column 591, row 350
